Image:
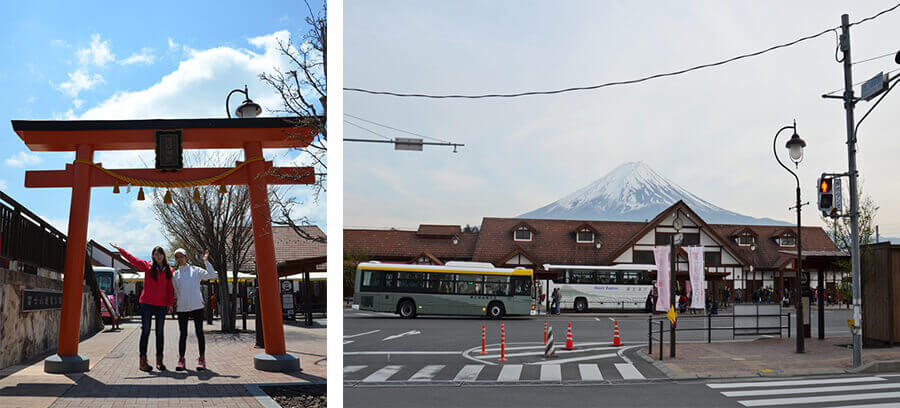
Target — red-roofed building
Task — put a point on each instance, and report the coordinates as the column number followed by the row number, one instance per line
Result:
column 736, row 256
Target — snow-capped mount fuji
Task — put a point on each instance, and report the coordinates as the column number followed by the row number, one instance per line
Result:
column 634, row 192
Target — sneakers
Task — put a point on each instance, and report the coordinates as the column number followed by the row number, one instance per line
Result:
column 159, row 364
column 201, row 364
column 180, row 366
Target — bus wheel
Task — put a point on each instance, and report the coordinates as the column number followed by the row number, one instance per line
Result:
column 407, row 309
column 581, row 305
column 496, row 310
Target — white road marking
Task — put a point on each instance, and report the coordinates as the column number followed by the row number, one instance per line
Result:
column 590, row 372
column 348, row 342
column 353, row 369
column 629, row 372
column 551, row 373
column 885, row 405
column 510, row 373
column 541, row 346
column 622, row 351
column 383, row 374
column 819, row 399
column 754, row 384
column 469, row 373
column 361, row 334
column 569, row 360
column 538, row 353
column 426, row 373
column 397, row 336
column 379, row 353
column 810, row 390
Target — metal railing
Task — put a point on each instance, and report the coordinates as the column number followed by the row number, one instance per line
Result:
column 26, row 238
column 709, row 327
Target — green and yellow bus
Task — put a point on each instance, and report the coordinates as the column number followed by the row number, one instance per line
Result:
column 457, row 288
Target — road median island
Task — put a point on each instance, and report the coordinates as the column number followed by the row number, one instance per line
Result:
column 768, row 358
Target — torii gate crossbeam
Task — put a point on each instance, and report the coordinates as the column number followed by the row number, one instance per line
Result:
column 85, row 137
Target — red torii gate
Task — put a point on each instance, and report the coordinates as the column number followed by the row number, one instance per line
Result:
column 85, row 137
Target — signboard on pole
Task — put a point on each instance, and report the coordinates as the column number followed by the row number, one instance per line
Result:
column 874, row 86
column 408, row 143
column 287, row 299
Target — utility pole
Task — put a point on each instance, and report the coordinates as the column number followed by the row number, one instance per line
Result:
column 849, row 103
column 673, row 265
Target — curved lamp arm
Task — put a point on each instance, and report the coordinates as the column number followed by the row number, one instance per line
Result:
column 775, row 152
column 243, row 91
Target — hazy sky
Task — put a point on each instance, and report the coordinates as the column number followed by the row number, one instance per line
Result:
column 709, row 131
column 132, row 61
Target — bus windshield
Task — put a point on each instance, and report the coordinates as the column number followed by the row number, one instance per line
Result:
column 105, row 281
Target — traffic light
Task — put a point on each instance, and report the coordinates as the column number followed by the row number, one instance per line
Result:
column 826, row 195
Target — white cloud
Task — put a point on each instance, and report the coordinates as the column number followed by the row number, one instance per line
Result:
column 2, row 183
column 145, row 57
column 172, row 44
column 22, row 159
column 80, row 80
column 98, row 54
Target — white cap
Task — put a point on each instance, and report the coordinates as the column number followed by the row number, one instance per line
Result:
column 180, row 251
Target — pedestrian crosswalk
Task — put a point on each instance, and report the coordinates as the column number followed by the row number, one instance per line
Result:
column 501, row 374
column 846, row 392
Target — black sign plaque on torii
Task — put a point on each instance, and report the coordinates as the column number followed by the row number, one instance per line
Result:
column 168, row 150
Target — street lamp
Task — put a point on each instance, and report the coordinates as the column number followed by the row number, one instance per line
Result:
column 795, row 148
column 248, row 108
column 676, row 239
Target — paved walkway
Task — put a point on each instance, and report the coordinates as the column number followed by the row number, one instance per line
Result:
column 115, row 381
column 772, row 357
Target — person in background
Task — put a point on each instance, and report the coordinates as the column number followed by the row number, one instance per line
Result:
column 157, row 296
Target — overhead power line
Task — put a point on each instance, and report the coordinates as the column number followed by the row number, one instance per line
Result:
column 393, row 128
column 608, row 84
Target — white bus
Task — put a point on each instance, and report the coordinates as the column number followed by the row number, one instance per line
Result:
column 618, row 287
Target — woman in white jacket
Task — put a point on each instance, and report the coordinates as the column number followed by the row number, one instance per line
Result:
column 189, row 303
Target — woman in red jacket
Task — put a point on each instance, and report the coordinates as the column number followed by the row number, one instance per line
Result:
column 157, row 296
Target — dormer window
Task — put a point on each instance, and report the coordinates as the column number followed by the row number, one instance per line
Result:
column 788, row 241
column 584, row 235
column 522, row 234
column 745, row 240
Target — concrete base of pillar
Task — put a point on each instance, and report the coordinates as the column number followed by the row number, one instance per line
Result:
column 57, row 364
column 276, row 362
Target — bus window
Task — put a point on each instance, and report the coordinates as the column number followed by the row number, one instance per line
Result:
column 389, row 281
column 579, row 276
column 445, row 285
column 371, row 280
column 522, row 285
column 467, row 284
column 606, row 277
column 496, row 285
column 412, row 281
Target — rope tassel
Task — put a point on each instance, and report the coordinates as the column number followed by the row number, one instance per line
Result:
column 141, row 194
column 116, row 188
column 167, row 199
column 222, row 189
column 196, row 194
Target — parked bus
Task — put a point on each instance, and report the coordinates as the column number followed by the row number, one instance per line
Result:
column 111, row 284
column 457, row 288
column 619, row 287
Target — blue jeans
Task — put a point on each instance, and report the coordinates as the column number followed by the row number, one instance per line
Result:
column 148, row 312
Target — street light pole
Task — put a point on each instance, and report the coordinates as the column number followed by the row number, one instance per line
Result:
column 849, row 102
column 795, row 145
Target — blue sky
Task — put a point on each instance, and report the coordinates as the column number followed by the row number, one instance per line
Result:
column 103, row 60
column 709, row 131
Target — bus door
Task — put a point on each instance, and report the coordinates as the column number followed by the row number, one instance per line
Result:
column 388, row 301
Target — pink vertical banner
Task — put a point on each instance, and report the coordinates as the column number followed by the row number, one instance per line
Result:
column 695, row 267
column 661, row 255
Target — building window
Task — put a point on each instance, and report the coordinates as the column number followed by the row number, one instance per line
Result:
column 585, row 235
column 643, row 258
column 664, row 238
column 691, row 239
column 522, row 234
column 745, row 240
column 712, row 258
column 788, row 241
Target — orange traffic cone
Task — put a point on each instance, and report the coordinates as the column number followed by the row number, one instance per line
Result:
column 483, row 339
column 616, row 340
column 502, row 342
column 570, row 344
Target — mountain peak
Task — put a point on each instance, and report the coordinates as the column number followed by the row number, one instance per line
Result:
column 633, row 191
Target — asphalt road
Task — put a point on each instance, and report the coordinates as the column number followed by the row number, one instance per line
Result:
column 846, row 391
column 438, row 359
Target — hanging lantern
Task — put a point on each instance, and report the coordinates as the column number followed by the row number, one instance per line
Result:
column 222, row 189
column 141, row 194
column 167, row 199
column 196, row 194
column 116, row 187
